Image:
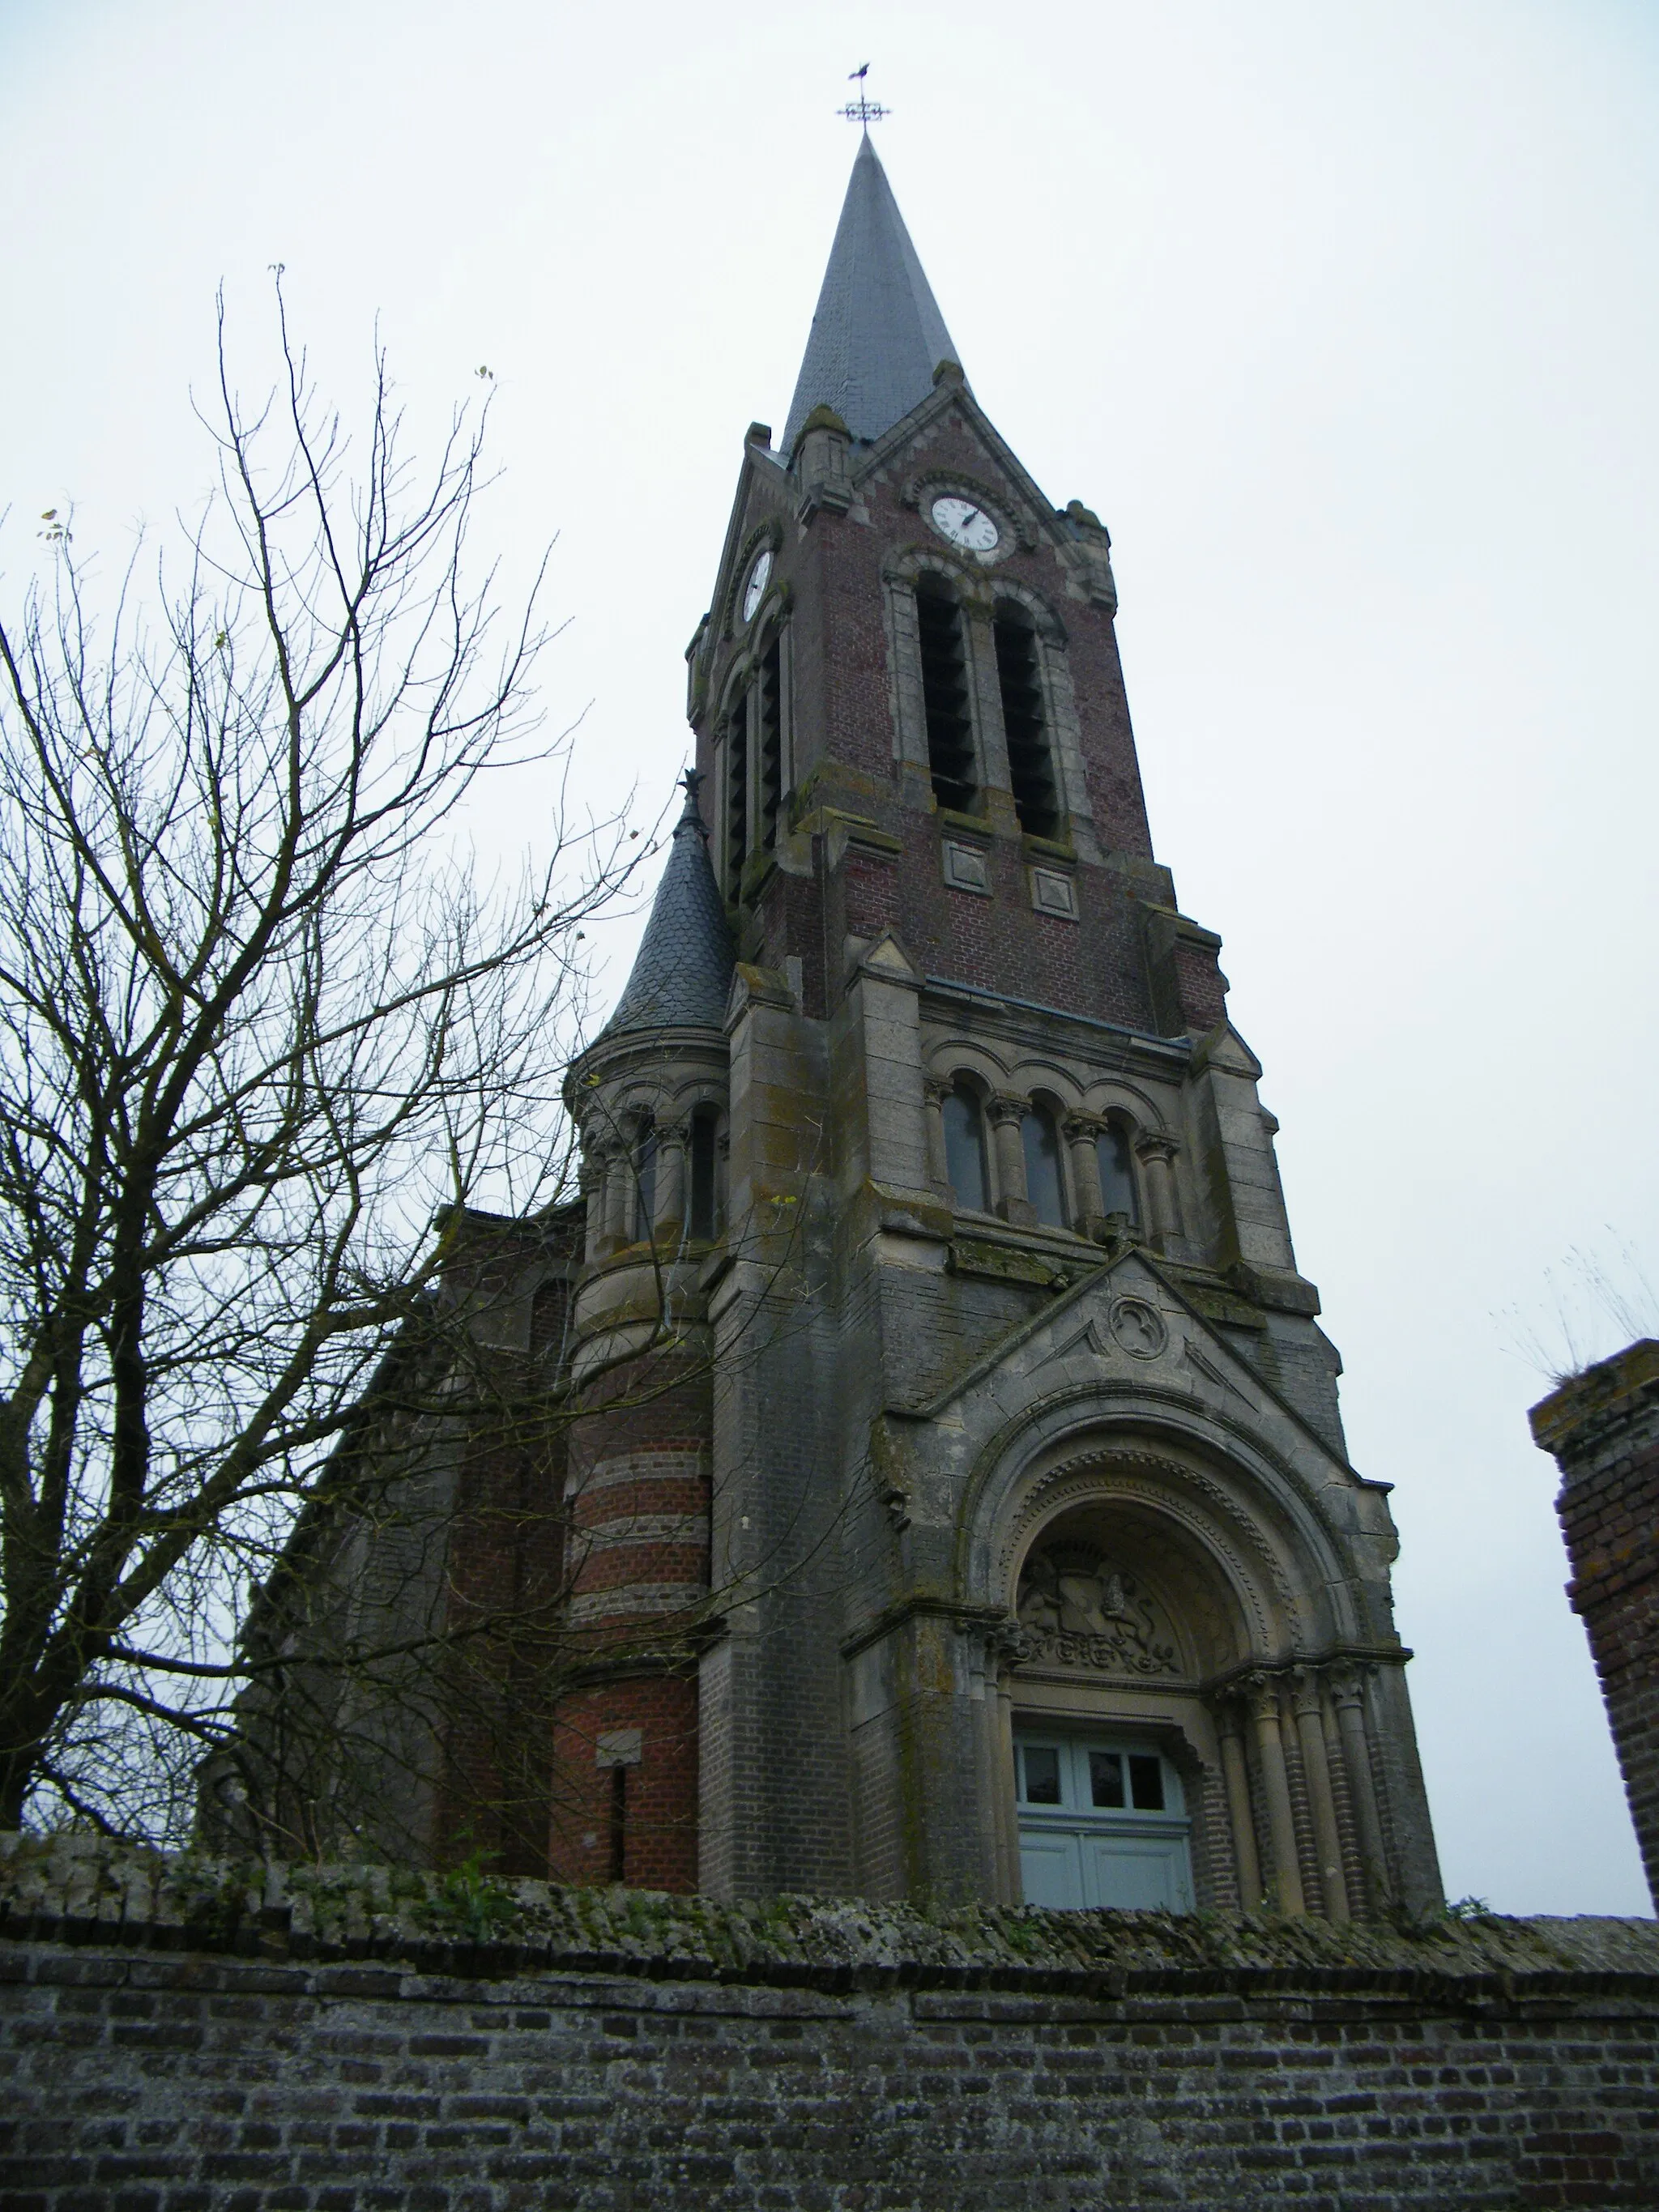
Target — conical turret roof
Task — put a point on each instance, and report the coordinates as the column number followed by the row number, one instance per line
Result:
column 877, row 335
column 683, row 970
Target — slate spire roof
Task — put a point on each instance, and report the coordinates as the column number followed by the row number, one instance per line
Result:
column 877, row 335
column 683, row 970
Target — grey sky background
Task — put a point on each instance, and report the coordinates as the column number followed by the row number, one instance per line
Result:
column 1344, row 319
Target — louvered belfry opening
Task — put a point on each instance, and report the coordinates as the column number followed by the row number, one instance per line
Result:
column 737, row 793
column 1031, row 762
column 944, row 696
column 769, row 703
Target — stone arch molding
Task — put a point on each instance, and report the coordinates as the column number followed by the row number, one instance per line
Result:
column 1249, row 1582
column 1288, row 1571
column 1073, row 1408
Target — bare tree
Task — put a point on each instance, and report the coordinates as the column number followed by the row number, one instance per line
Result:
column 260, row 1022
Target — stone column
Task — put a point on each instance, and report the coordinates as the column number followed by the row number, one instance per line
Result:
column 619, row 1159
column 939, row 1167
column 674, row 1144
column 1348, row 1695
column 1005, row 1115
column 999, row 1879
column 591, row 1182
column 1246, row 1858
column 1156, row 1153
column 1310, row 1729
column 1285, row 1888
column 1080, row 1131
column 980, row 645
column 1008, row 1646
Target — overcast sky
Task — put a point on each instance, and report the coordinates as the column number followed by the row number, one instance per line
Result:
column 1345, row 319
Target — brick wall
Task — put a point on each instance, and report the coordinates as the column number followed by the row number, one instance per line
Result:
column 624, row 1740
column 176, row 2039
column 1603, row 1430
column 843, row 698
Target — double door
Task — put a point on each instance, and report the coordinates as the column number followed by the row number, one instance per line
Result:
column 1100, row 1823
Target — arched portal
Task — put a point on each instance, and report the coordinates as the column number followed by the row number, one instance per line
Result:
column 1171, row 1687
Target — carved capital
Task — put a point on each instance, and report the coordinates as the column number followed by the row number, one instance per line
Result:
column 1005, row 1106
column 1012, row 1643
column 1228, row 1713
column 1155, row 1145
column 1004, row 1643
column 1304, row 1691
column 1261, row 1690
column 676, row 1134
column 1348, row 1685
column 935, row 1090
column 1001, row 1642
column 1081, row 1128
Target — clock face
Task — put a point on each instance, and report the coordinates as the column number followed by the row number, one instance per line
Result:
column 965, row 524
column 755, row 590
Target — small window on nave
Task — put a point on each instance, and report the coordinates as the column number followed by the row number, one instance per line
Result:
column 1043, row 1179
column 1117, row 1175
column 944, row 696
column 1030, row 758
column 964, row 1149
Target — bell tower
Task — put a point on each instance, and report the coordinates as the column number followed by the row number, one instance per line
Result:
column 1035, row 1565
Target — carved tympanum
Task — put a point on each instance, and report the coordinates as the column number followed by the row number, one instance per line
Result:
column 1080, row 1610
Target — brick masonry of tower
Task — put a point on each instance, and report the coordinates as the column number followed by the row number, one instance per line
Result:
column 1602, row 1427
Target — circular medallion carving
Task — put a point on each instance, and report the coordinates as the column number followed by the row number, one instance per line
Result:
column 1138, row 1328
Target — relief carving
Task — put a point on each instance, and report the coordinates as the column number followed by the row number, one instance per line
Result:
column 1078, row 1609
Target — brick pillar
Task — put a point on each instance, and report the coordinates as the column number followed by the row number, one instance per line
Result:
column 624, row 1790
column 1602, row 1429
column 1246, row 1858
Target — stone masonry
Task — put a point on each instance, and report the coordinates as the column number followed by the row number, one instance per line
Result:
column 198, row 2037
column 1603, row 1428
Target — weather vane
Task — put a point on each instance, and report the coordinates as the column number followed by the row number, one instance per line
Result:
column 861, row 110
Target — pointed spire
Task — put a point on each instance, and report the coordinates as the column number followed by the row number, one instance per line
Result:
column 683, row 970
column 877, row 335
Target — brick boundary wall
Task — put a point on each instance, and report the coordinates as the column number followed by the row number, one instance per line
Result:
column 186, row 2035
column 1602, row 1428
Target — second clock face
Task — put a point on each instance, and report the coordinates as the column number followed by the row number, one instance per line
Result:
column 755, row 590
column 965, row 524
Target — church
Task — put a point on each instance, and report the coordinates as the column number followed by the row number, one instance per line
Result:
column 951, row 1498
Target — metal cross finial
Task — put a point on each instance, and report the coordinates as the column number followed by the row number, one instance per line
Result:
column 861, row 110
column 692, row 810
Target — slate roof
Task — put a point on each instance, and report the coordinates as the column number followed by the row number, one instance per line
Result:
column 877, row 335
column 683, row 970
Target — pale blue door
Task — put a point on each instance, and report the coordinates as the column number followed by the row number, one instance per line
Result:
column 1100, row 1823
